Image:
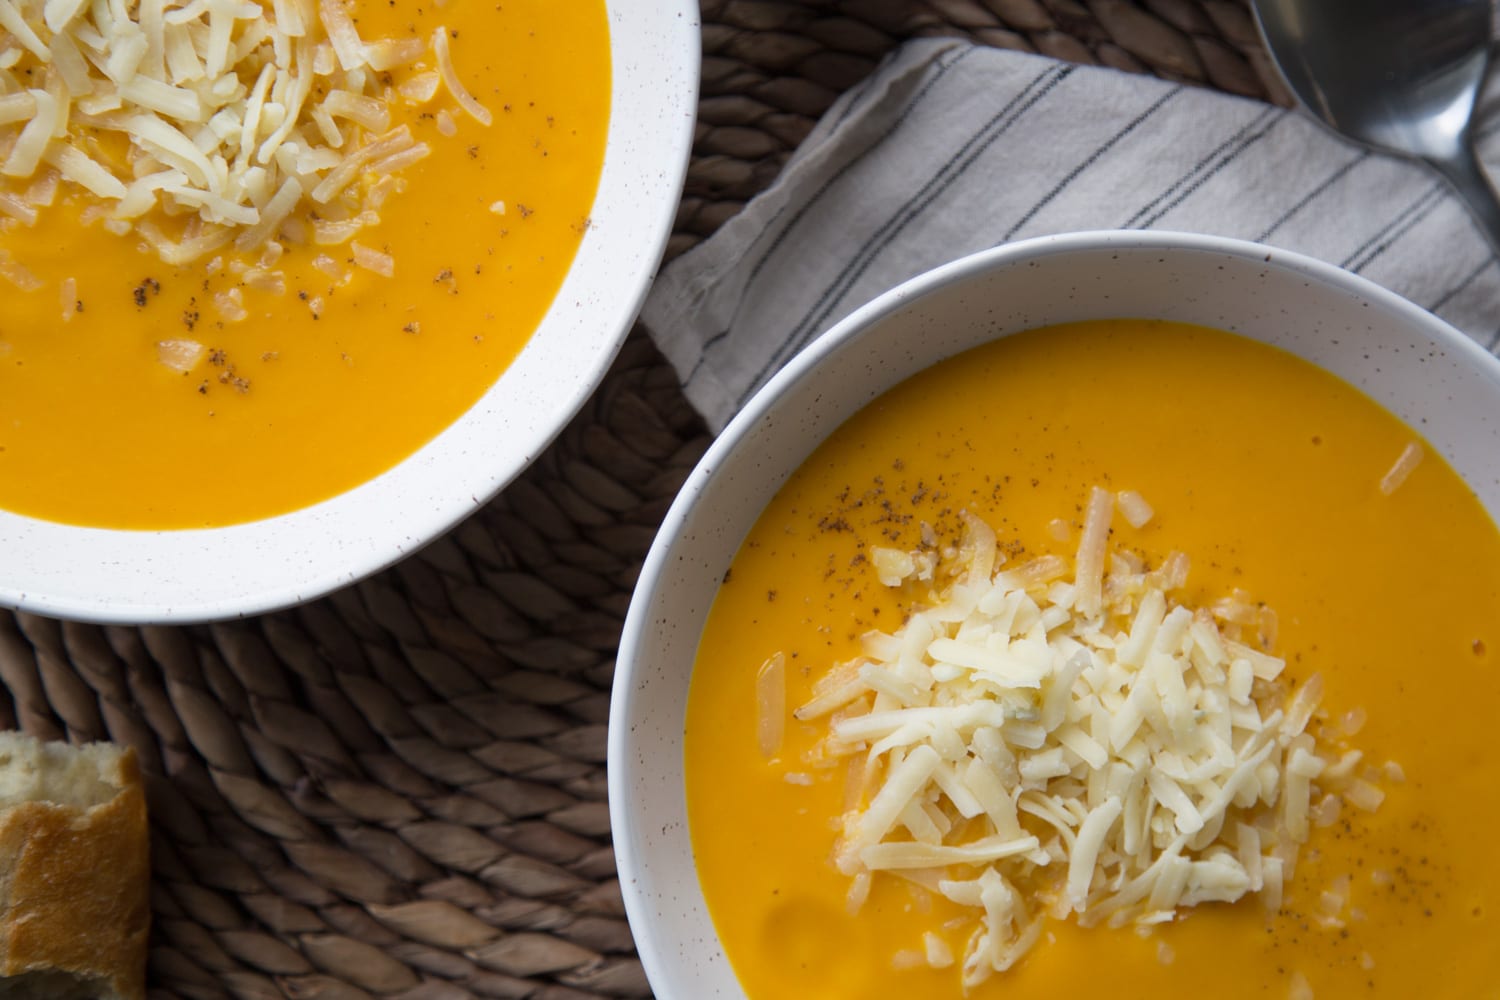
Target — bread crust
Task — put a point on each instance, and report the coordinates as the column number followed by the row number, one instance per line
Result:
column 76, row 884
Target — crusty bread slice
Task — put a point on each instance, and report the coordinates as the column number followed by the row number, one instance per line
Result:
column 74, row 871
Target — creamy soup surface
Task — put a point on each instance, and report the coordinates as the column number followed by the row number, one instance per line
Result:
column 1265, row 471
column 347, row 371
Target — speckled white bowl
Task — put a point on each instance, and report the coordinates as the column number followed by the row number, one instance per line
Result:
column 1417, row 366
column 181, row 576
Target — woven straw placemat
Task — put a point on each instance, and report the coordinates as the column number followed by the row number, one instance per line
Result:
column 398, row 791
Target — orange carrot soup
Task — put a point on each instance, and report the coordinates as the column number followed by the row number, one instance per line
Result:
column 1120, row 656
column 253, row 254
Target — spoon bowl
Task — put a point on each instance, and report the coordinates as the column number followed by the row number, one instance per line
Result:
column 1399, row 76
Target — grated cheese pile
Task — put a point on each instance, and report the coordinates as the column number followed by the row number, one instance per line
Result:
column 1031, row 745
column 201, row 124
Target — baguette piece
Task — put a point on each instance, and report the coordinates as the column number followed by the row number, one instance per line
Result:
column 74, row 871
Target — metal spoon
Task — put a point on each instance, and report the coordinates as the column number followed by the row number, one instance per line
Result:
column 1400, row 76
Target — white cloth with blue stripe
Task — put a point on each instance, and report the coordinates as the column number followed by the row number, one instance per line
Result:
column 951, row 148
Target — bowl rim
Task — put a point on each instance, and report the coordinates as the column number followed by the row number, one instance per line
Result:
column 178, row 576
column 623, row 768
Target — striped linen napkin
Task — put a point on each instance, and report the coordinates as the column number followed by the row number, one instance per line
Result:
column 950, row 148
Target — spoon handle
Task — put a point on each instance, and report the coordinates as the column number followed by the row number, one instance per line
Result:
column 1473, row 185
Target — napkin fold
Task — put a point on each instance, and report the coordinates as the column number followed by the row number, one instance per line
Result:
column 949, row 148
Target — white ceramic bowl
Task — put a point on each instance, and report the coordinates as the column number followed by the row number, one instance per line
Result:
column 179, row 576
column 1367, row 336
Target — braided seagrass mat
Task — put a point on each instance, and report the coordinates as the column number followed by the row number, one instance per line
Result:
column 398, row 791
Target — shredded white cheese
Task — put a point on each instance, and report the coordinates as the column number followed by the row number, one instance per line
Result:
column 371, row 259
column 770, row 704
column 200, row 122
column 1134, row 507
column 451, row 80
column 1405, row 464
column 180, row 355
column 69, row 299
column 1031, row 746
column 18, row 274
